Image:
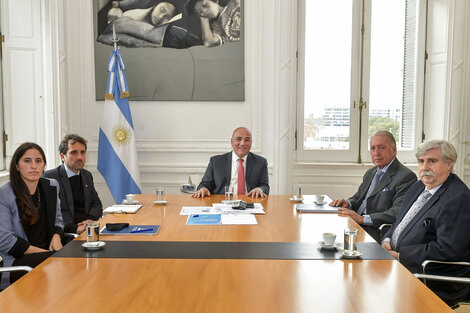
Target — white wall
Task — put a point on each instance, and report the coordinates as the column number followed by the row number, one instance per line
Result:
column 176, row 139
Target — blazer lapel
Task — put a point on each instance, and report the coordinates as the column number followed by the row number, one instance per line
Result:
column 228, row 169
column 86, row 191
column 250, row 160
column 386, row 178
column 64, row 181
column 50, row 195
column 423, row 210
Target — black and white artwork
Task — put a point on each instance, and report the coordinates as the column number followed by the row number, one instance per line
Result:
column 175, row 49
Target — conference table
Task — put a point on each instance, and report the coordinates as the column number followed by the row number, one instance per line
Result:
column 274, row 266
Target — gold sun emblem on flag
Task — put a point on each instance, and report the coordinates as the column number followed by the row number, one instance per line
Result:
column 121, row 135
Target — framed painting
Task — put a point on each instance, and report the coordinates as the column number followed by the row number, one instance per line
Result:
column 174, row 50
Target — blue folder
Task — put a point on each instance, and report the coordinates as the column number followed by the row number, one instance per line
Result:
column 133, row 230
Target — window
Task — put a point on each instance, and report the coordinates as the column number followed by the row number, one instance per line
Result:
column 354, row 83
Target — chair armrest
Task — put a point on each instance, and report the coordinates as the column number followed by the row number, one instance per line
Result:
column 15, row 269
column 426, row 262
column 464, row 280
column 381, row 230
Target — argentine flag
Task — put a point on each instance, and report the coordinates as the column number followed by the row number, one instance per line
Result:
column 117, row 153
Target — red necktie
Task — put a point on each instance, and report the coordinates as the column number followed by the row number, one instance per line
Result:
column 241, row 178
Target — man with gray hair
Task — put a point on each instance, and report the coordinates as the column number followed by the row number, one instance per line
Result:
column 383, row 187
column 433, row 220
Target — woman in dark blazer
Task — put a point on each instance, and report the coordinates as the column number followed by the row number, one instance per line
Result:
column 31, row 226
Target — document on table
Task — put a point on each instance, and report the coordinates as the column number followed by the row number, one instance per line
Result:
column 204, row 219
column 188, row 210
column 238, row 219
column 220, row 208
column 258, row 209
column 122, row 208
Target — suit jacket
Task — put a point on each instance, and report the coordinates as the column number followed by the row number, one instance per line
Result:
column 13, row 240
column 219, row 171
column 93, row 206
column 385, row 200
column 438, row 232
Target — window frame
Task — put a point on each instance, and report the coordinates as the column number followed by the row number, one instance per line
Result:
column 352, row 155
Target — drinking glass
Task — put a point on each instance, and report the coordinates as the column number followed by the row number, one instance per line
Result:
column 350, row 240
column 228, row 193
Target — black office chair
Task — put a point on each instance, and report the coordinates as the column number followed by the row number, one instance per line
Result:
column 68, row 237
column 452, row 279
column 12, row 268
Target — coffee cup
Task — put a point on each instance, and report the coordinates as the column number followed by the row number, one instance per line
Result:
column 319, row 199
column 329, row 239
column 130, row 198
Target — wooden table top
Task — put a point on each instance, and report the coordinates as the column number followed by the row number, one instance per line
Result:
column 281, row 222
column 222, row 285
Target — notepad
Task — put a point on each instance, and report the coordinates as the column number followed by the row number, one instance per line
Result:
column 133, row 230
column 122, row 208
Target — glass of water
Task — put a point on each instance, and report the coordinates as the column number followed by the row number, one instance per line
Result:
column 350, row 240
column 228, row 193
column 296, row 192
column 93, row 231
column 160, row 193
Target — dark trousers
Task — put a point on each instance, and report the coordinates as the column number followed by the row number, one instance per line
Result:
column 31, row 260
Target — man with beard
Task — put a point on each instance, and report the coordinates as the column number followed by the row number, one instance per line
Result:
column 79, row 200
column 433, row 220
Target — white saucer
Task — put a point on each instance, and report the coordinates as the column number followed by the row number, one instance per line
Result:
column 355, row 254
column 296, row 200
column 334, row 246
column 160, row 202
column 324, row 202
column 93, row 245
column 130, row 203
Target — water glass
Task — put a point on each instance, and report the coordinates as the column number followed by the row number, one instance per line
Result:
column 228, row 193
column 350, row 240
column 296, row 192
column 160, row 192
column 93, row 231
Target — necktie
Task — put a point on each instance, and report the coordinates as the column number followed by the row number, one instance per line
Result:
column 241, row 178
column 415, row 208
column 376, row 179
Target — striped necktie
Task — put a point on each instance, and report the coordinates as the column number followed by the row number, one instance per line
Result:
column 415, row 208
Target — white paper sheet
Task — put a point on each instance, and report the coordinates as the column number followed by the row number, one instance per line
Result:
column 238, row 219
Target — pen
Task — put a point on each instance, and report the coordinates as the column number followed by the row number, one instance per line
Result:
column 139, row 230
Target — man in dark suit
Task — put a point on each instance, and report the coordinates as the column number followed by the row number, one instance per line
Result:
column 229, row 170
column 433, row 220
column 383, row 187
column 79, row 200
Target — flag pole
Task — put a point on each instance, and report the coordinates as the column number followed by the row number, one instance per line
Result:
column 114, row 39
